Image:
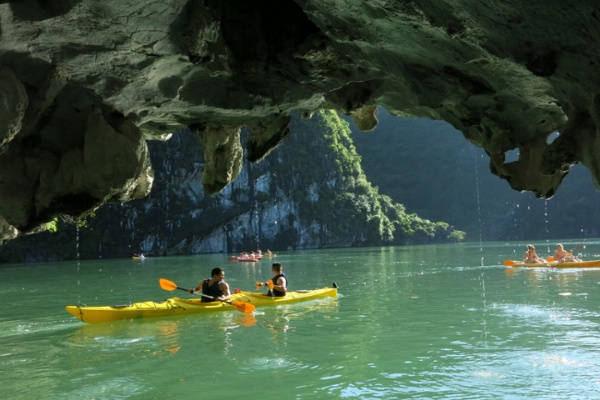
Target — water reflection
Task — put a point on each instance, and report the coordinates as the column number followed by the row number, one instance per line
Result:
column 152, row 338
column 246, row 320
column 222, row 334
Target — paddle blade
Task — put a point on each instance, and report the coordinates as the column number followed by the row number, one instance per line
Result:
column 270, row 284
column 167, row 284
column 550, row 259
column 246, row 308
column 509, row 263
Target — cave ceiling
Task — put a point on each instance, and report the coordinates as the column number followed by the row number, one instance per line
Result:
column 85, row 83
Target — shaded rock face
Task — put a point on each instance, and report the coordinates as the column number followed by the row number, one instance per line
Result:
column 83, row 85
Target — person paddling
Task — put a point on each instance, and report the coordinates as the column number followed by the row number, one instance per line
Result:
column 531, row 256
column 280, row 281
column 561, row 255
column 216, row 287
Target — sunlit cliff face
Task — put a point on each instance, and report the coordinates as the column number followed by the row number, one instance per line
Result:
column 84, row 83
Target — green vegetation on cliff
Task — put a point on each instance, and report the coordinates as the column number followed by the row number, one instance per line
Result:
column 310, row 192
column 353, row 210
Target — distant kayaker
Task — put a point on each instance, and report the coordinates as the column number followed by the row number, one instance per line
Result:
column 561, row 255
column 531, row 256
column 216, row 287
column 280, row 281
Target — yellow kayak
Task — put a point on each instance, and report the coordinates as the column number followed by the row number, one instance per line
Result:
column 177, row 306
column 554, row 264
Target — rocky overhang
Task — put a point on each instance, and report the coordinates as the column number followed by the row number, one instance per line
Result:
column 85, row 83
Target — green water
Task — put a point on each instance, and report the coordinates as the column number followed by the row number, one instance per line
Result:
column 420, row 322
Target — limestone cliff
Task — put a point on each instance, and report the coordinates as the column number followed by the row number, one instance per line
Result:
column 310, row 192
column 84, row 83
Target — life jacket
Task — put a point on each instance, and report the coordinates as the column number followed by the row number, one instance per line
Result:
column 276, row 292
column 212, row 290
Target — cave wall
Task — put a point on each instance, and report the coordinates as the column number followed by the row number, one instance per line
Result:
column 84, row 84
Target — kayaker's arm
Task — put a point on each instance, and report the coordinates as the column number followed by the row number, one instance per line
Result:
column 226, row 293
column 197, row 288
column 280, row 285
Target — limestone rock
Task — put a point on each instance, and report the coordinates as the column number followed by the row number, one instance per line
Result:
column 83, row 83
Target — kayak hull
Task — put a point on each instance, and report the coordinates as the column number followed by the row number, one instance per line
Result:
column 555, row 264
column 244, row 259
column 176, row 306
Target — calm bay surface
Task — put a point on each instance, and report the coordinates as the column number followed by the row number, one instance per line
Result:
column 422, row 322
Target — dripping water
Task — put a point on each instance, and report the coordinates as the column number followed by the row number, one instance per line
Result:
column 484, row 312
column 78, row 259
column 131, row 264
column 482, row 277
column 257, row 226
column 547, row 226
column 478, row 206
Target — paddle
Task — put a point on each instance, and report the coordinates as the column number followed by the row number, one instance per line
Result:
column 241, row 306
column 571, row 252
column 269, row 284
